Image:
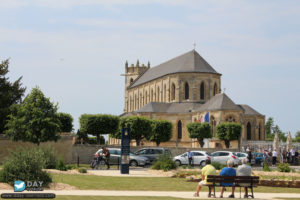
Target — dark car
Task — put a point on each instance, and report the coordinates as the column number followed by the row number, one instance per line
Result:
column 153, row 153
column 258, row 157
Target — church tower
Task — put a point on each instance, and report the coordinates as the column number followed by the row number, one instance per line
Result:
column 131, row 74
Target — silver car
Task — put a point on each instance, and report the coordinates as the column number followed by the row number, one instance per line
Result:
column 199, row 158
column 223, row 156
column 115, row 158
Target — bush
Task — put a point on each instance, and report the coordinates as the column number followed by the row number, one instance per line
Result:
column 165, row 163
column 266, row 167
column 284, row 167
column 26, row 165
column 60, row 165
column 50, row 157
column 82, row 170
column 217, row 165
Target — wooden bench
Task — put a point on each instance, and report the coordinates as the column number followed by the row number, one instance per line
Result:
column 237, row 181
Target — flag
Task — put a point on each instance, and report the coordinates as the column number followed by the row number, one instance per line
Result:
column 206, row 117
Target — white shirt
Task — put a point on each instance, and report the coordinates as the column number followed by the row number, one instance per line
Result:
column 292, row 152
column 274, row 154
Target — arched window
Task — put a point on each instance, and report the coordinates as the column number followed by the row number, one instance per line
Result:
column 186, row 91
column 158, row 94
column 151, row 95
column 135, row 102
column 173, row 92
column 215, row 89
column 165, row 93
column 131, row 80
column 248, row 131
column 179, row 130
column 141, row 100
column 146, row 97
column 259, row 132
column 202, row 89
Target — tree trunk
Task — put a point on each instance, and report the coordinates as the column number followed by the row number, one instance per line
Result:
column 201, row 142
column 98, row 139
column 157, row 144
column 227, row 143
column 138, row 141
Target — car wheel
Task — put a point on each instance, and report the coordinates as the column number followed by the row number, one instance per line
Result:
column 177, row 162
column 133, row 163
column 202, row 163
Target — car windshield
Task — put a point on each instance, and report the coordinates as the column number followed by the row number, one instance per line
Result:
column 132, row 154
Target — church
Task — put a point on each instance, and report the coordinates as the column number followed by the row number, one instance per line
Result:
column 182, row 90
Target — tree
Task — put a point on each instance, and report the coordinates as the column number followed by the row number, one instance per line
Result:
column 98, row 124
column 140, row 128
column 35, row 120
column 66, row 121
column 199, row 131
column 10, row 93
column 161, row 131
column 228, row 131
column 297, row 137
column 269, row 126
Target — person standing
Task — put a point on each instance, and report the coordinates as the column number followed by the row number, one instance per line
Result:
column 228, row 171
column 205, row 171
column 106, row 154
column 244, row 170
column 274, row 157
column 292, row 152
column 250, row 156
column 288, row 155
column 190, row 157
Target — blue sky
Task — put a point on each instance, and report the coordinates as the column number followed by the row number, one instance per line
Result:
column 75, row 50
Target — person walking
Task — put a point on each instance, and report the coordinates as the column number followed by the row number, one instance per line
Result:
column 250, row 156
column 190, row 157
column 228, row 171
column 274, row 157
column 244, row 170
column 205, row 171
column 106, row 154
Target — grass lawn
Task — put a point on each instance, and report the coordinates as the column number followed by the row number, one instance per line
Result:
column 86, row 182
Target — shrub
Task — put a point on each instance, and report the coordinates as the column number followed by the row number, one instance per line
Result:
column 60, row 165
column 165, row 163
column 284, row 167
column 217, row 165
column 82, row 170
column 26, row 165
column 266, row 167
column 50, row 157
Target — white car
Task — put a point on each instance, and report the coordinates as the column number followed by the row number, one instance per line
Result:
column 199, row 158
column 223, row 156
column 242, row 155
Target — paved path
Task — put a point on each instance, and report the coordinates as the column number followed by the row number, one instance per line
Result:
column 186, row 195
column 132, row 173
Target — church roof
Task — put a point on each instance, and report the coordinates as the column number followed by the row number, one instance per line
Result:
column 219, row 102
column 248, row 110
column 160, row 107
column 188, row 62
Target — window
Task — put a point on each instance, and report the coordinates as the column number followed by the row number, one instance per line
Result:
column 216, row 154
column 186, row 91
column 202, row 89
column 165, row 93
column 151, row 95
column 230, row 119
column 215, row 89
column 143, row 151
column 179, row 130
column 131, row 80
column 248, row 131
column 173, row 92
column 146, row 98
column 224, row 154
column 158, row 94
column 259, row 134
column 198, row 154
column 158, row 151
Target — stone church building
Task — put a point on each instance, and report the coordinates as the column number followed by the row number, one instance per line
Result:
column 183, row 90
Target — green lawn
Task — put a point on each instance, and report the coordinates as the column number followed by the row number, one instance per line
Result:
column 86, row 182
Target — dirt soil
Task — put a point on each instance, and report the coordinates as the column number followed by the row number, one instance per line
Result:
column 55, row 171
column 5, row 186
column 275, row 173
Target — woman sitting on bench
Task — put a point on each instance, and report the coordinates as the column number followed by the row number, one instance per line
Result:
column 228, row 171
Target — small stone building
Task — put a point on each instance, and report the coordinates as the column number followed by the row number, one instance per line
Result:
column 183, row 90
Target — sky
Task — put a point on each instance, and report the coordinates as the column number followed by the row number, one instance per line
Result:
column 75, row 50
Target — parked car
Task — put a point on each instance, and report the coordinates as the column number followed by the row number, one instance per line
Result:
column 153, row 153
column 115, row 157
column 258, row 158
column 223, row 156
column 199, row 158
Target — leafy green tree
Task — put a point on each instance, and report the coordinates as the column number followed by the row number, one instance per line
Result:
column 229, row 131
column 199, row 131
column 35, row 120
column 66, row 121
column 140, row 128
column 98, row 124
column 161, row 131
column 297, row 137
column 10, row 93
column 269, row 126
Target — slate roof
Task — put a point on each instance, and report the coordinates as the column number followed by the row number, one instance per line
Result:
column 219, row 102
column 248, row 110
column 188, row 62
column 160, row 107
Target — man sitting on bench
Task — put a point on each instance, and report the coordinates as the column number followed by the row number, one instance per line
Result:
column 244, row 170
column 205, row 171
column 228, row 171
